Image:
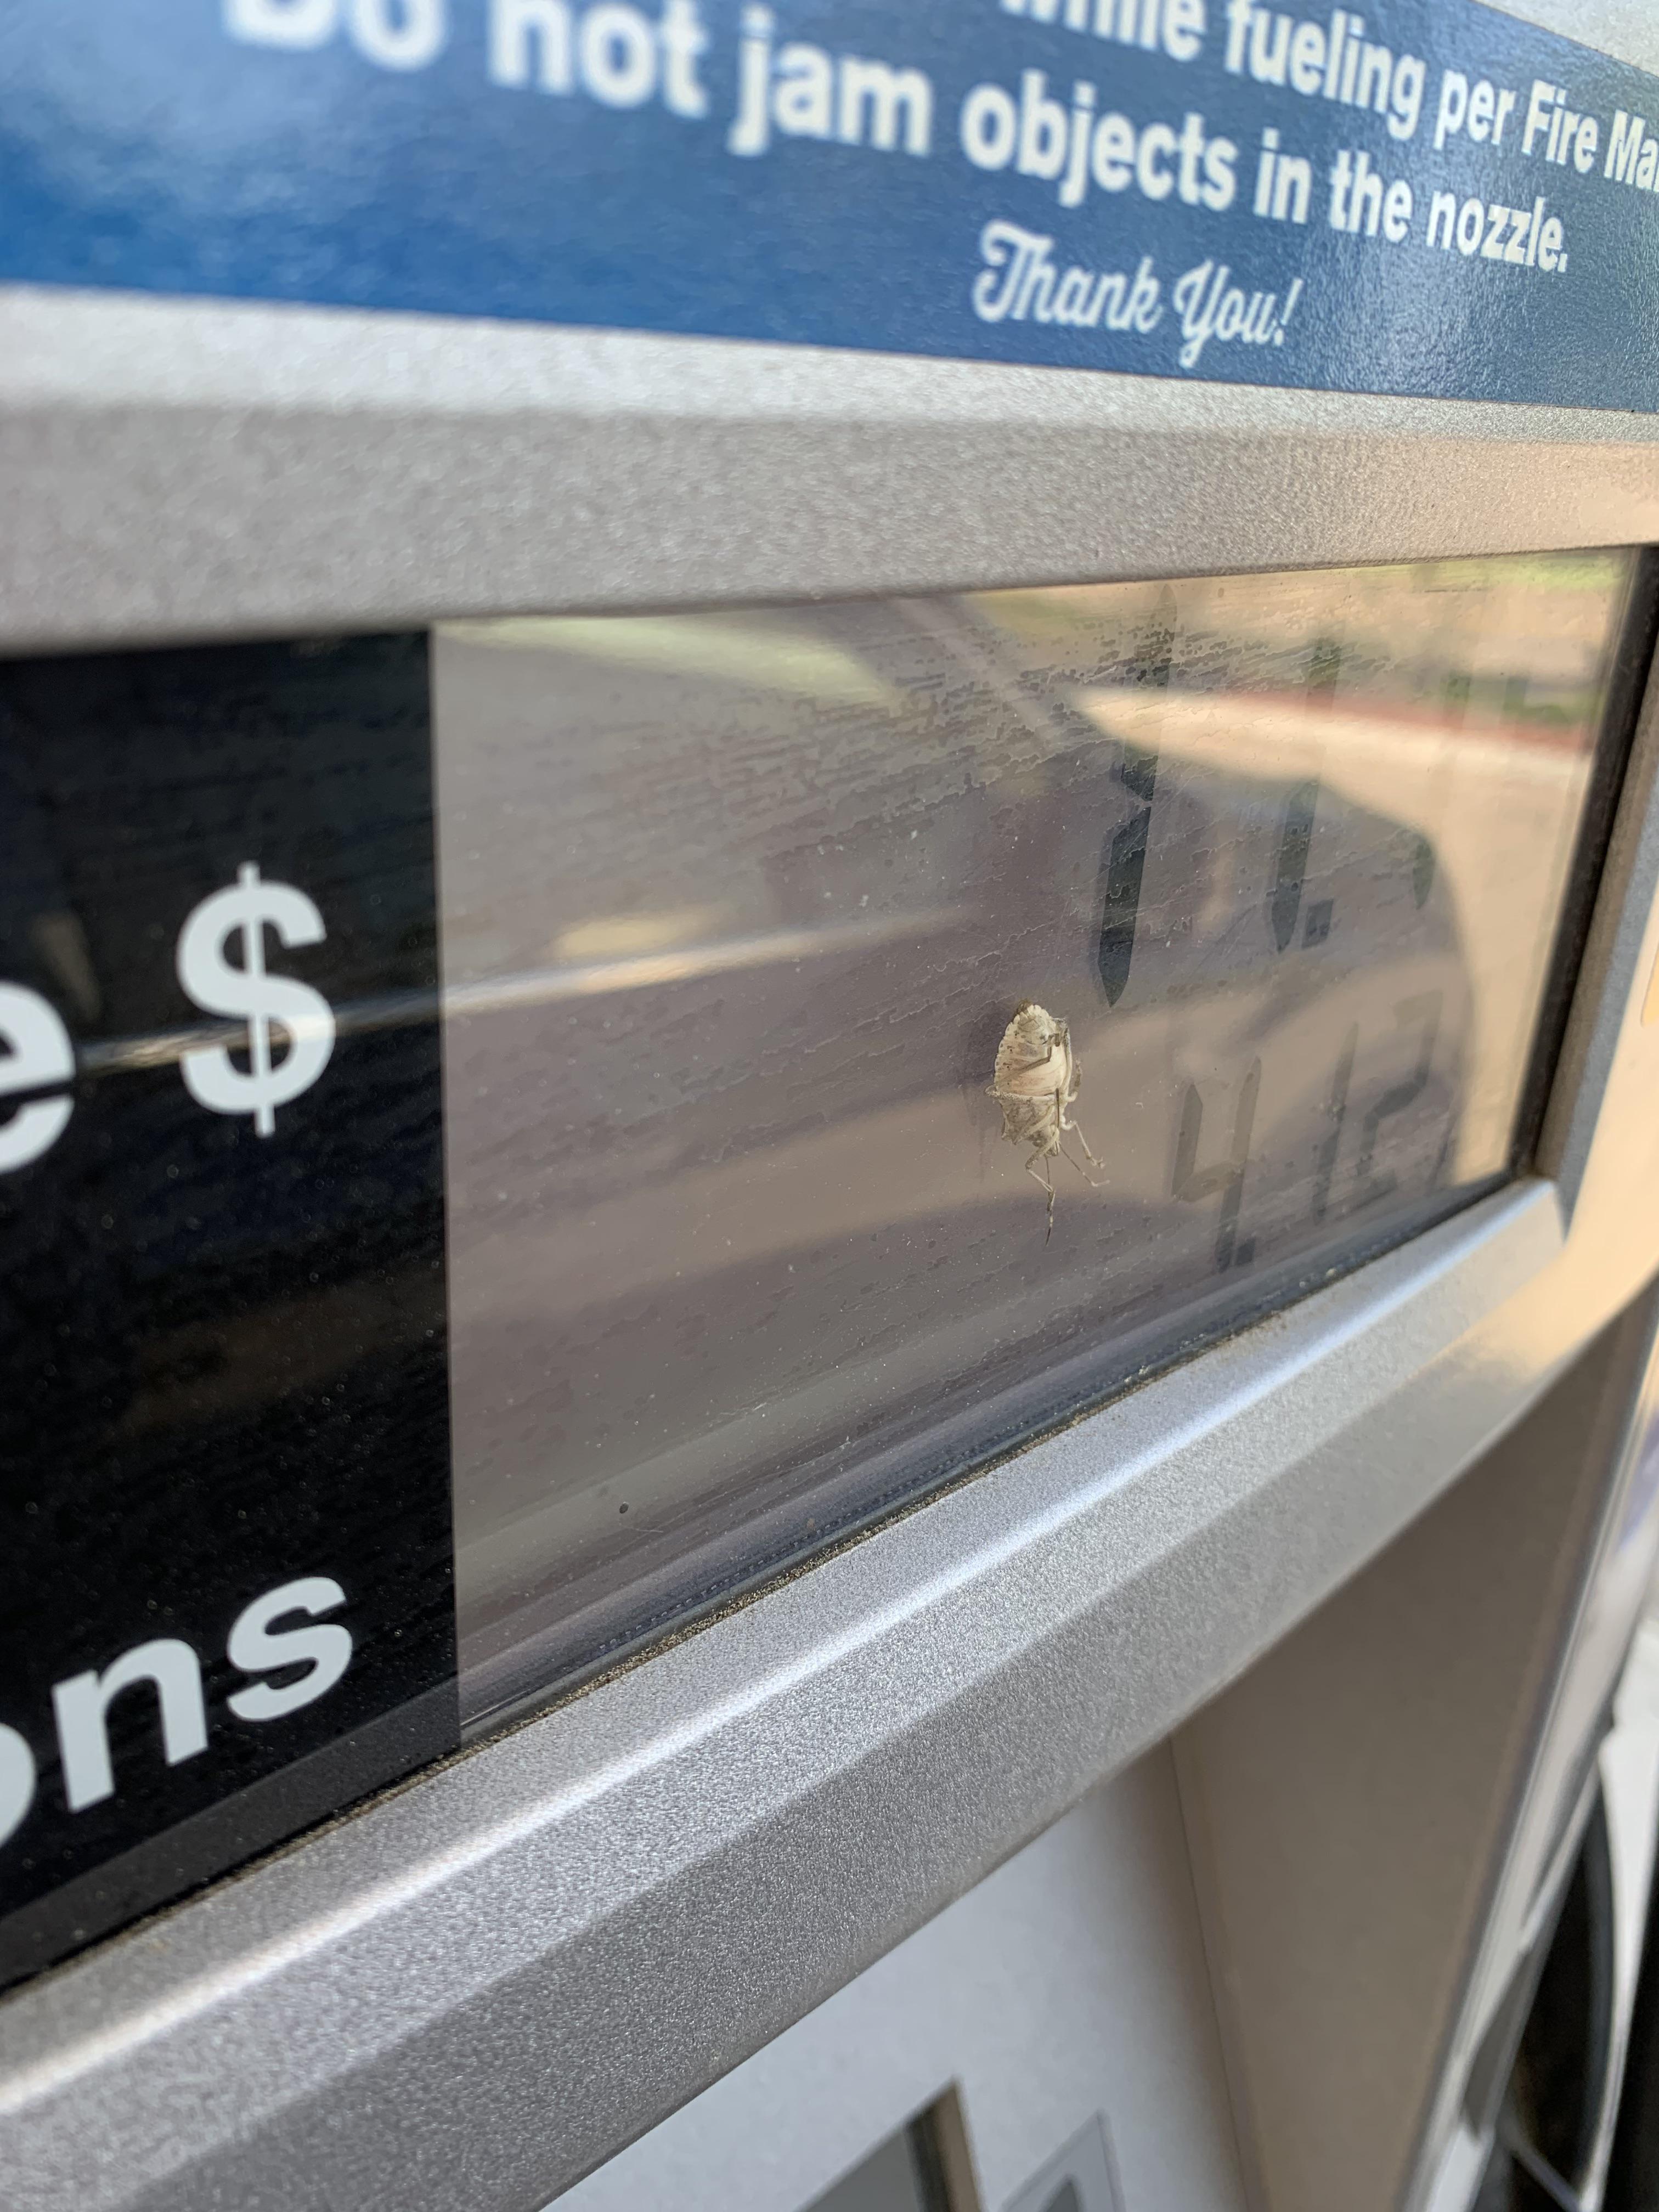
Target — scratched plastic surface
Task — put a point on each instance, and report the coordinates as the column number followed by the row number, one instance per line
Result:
column 735, row 909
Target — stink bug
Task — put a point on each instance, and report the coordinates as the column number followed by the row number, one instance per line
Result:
column 1035, row 1083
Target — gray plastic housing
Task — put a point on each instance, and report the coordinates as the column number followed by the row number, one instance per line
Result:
column 479, row 1988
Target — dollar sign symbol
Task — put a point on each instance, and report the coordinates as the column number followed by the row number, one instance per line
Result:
column 248, row 907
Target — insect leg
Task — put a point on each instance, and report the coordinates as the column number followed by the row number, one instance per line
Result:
column 1092, row 1180
column 1072, row 1129
column 1045, row 1182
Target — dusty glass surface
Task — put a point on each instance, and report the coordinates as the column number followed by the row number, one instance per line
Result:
column 737, row 907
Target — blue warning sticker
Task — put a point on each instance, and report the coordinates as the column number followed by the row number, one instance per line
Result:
column 1427, row 197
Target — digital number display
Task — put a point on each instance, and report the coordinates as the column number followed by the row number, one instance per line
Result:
column 737, row 909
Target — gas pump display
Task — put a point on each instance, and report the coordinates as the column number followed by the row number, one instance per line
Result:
column 351, row 1395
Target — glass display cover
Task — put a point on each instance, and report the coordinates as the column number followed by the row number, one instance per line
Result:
column 738, row 909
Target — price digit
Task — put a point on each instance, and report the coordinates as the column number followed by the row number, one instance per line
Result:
column 1425, row 1010
column 1336, row 1108
column 1123, row 860
column 1295, row 835
column 1192, row 1184
column 1122, row 864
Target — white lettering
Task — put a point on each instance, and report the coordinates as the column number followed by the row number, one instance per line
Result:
column 617, row 52
column 81, row 1706
column 990, row 127
column 257, row 1645
column 1112, row 160
column 1239, row 13
column 1020, row 282
column 399, row 34
column 1339, row 64
column 1183, row 29
column 293, row 23
column 35, row 1051
column 1540, row 111
column 1308, row 59
column 1076, row 183
column 1453, row 108
column 16, row 1780
column 1624, row 146
column 876, row 93
column 1017, row 261
column 1521, row 237
column 278, row 1632
column 1410, row 75
column 1157, row 150
column 516, row 27
column 1177, row 26
column 684, row 42
column 1211, row 306
column 1041, row 128
column 752, row 130
column 619, row 49
column 1480, row 109
column 394, row 34
column 807, row 93
column 804, row 95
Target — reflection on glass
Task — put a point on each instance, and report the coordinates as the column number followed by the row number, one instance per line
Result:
column 736, row 910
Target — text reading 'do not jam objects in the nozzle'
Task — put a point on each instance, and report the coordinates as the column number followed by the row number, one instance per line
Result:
column 40, row 1052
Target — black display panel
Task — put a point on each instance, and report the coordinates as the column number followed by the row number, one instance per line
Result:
column 226, row 1603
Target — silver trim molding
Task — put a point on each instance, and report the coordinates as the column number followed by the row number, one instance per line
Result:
column 198, row 469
